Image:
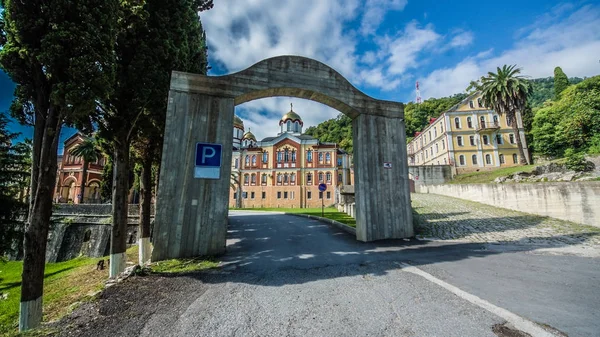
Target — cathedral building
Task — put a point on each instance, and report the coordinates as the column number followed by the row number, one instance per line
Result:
column 285, row 171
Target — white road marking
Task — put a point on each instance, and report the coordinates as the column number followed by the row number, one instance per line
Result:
column 517, row 321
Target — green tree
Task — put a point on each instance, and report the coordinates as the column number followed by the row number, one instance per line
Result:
column 506, row 92
column 561, row 82
column 571, row 122
column 154, row 37
column 59, row 54
column 15, row 166
column 89, row 152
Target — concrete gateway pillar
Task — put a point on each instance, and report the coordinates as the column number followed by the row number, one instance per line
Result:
column 191, row 213
column 382, row 206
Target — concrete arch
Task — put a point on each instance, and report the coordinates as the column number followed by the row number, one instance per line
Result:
column 191, row 216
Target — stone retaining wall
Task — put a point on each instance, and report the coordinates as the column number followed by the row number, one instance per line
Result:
column 573, row 201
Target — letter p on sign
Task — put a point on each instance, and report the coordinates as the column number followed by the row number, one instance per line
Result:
column 208, row 161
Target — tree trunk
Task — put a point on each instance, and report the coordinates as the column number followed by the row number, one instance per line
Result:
column 83, row 182
column 523, row 160
column 43, row 177
column 145, row 207
column 120, row 189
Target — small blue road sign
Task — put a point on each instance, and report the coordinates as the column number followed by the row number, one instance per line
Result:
column 322, row 187
column 208, row 161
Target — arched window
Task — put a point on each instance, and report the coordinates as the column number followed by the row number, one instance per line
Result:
column 435, row 132
column 482, row 122
column 293, row 178
column 443, row 145
column 461, row 160
column 285, row 178
column 496, row 121
column 253, row 160
column 488, row 159
column 294, row 155
column 309, row 178
column 297, row 126
column 515, row 158
column 279, row 178
column 474, row 159
column 265, row 157
column 279, row 156
column 320, row 157
column 309, row 156
column 480, row 102
column 321, row 177
column 328, row 157
column 457, row 122
column 236, row 163
column 247, row 160
column 437, row 148
column 471, row 104
column 286, row 155
column 263, row 179
column 328, row 175
column 501, row 157
column 469, row 122
column 246, row 177
column 253, row 178
column 289, row 125
column 486, row 140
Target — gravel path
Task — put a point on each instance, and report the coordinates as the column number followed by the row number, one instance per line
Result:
column 445, row 218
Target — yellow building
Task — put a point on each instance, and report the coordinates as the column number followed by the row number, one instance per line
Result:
column 286, row 170
column 469, row 137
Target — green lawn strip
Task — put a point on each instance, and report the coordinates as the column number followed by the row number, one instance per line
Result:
column 489, row 176
column 184, row 265
column 65, row 283
column 329, row 213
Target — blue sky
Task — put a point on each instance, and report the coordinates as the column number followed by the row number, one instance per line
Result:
column 384, row 46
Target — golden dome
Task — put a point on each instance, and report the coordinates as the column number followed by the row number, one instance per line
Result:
column 291, row 116
column 238, row 122
column 249, row 135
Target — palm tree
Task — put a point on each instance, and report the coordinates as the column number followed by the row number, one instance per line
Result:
column 87, row 150
column 506, row 92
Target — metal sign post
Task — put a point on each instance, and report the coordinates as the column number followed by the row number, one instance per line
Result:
column 322, row 189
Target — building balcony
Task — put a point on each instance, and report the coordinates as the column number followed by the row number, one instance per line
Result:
column 487, row 126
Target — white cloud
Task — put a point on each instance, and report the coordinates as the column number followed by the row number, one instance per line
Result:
column 461, row 39
column 572, row 42
column 374, row 13
column 262, row 116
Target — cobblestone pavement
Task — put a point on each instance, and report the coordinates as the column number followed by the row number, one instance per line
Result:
column 445, row 218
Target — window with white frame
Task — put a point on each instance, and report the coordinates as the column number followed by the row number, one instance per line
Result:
column 499, row 139
column 501, row 157
column 480, row 102
column 488, row 159
column 461, row 160
column 511, row 138
column 263, row 179
column 443, row 145
column 472, row 140
column 459, row 140
column 515, row 158
column 309, row 156
column 457, row 122
column 469, row 122
column 486, row 140
column 471, row 105
column 474, row 159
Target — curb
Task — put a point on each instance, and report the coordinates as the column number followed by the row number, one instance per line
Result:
column 339, row 225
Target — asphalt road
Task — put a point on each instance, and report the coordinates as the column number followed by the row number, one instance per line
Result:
column 290, row 276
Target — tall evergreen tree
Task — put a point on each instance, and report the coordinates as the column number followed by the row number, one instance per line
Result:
column 59, row 53
column 561, row 82
column 15, row 166
column 154, row 38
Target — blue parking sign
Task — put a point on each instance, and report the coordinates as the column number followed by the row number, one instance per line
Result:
column 208, row 161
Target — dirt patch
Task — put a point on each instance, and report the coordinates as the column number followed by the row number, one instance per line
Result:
column 501, row 330
column 124, row 309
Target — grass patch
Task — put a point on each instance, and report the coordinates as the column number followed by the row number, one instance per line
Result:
column 184, row 265
column 489, row 176
column 329, row 213
column 65, row 283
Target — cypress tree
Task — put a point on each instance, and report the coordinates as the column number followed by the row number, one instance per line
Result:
column 561, row 82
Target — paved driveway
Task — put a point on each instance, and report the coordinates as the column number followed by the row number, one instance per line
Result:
column 291, row 276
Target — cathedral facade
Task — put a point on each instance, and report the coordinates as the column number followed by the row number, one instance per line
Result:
column 285, row 171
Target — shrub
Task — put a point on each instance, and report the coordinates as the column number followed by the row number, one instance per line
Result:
column 576, row 161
